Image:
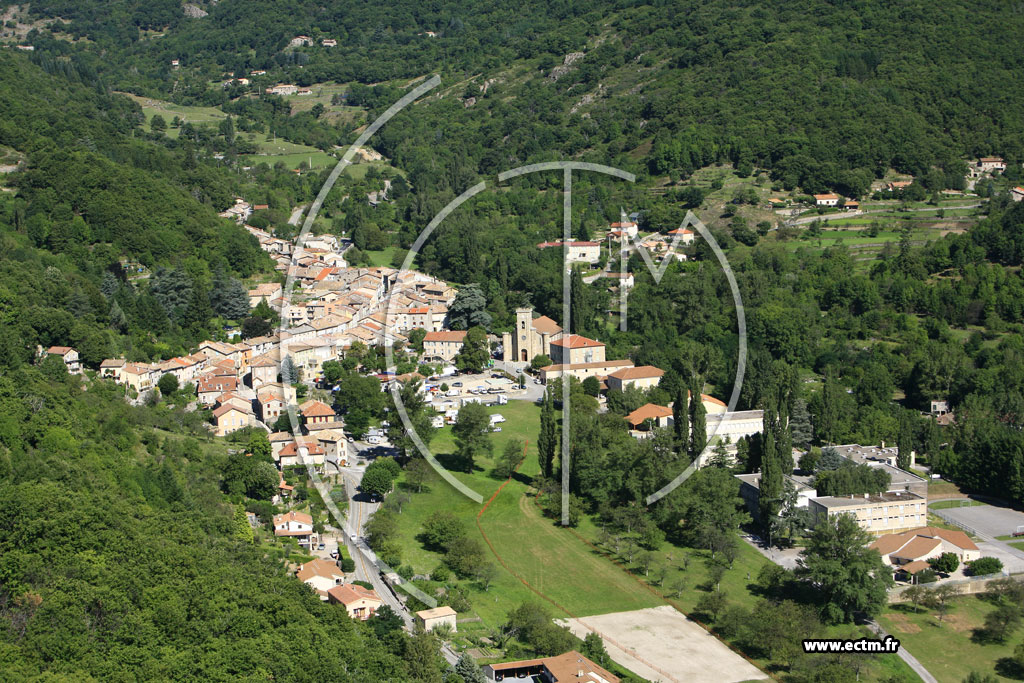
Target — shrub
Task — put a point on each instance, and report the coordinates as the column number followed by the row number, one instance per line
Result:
column 985, row 565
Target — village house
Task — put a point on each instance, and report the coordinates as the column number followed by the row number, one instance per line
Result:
column 283, row 89
column 332, row 441
column 297, row 525
column 112, row 368
column 571, row 667
column 1017, row 193
column 278, row 440
column 575, row 348
column 139, row 376
column 268, row 291
column 684, row 235
column 230, row 417
column 621, row 280
column 329, row 42
column 317, row 412
column 910, row 551
column 826, row 199
column 579, row 252
column 321, row 575
column 650, row 416
column 443, row 346
column 360, row 603
column 209, row 387
column 643, row 377
column 627, row 228
column 69, row 357
column 581, row 371
column 988, row 165
column 262, row 370
column 271, row 402
column 429, row 619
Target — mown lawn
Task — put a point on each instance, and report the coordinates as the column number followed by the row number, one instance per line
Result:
column 946, row 504
column 947, row 648
column 564, row 564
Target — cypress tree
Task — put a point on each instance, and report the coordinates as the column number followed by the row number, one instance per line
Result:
column 698, row 421
column 681, row 419
column 547, row 440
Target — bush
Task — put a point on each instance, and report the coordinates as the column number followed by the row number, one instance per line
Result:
column 985, row 565
column 440, row 574
column 348, row 565
column 946, row 563
column 927, row 576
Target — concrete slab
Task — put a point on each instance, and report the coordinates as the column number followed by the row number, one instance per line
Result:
column 986, row 519
column 662, row 644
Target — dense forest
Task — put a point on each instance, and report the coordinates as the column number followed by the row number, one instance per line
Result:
column 119, row 557
column 825, row 94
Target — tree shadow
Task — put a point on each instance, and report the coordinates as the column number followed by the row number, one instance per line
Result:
column 1009, row 668
column 983, row 636
column 522, row 478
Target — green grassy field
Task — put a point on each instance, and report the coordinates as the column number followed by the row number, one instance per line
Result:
column 575, row 577
column 946, row 504
column 947, row 648
column 274, row 149
column 168, row 110
column 381, row 258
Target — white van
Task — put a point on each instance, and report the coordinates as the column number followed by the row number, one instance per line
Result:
column 497, row 418
column 374, row 439
column 502, row 399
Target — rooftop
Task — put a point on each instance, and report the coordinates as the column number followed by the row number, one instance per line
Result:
column 857, row 500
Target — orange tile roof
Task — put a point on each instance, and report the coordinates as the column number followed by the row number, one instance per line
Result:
column 576, row 341
column 641, row 372
column 348, row 593
column 318, row 409
column 920, row 546
column 318, row 567
column 649, row 411
column 915, row 566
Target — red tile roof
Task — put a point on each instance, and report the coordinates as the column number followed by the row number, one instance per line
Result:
column 576, row 341
column 642, row 372
column 348, row 593
column 649, row 411
column 318, row 409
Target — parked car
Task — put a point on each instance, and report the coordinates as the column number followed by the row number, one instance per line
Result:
column 322, row 546
column 456, row 384
column 496, row 429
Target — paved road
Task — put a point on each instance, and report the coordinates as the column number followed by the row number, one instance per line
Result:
column 853, row 214
column 296, row 215
column 910, row 659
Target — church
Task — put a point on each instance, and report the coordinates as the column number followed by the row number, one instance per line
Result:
column 532, row 337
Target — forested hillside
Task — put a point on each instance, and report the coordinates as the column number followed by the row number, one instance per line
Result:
column 120, row 558
column 825, row 94
column 95, row 202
